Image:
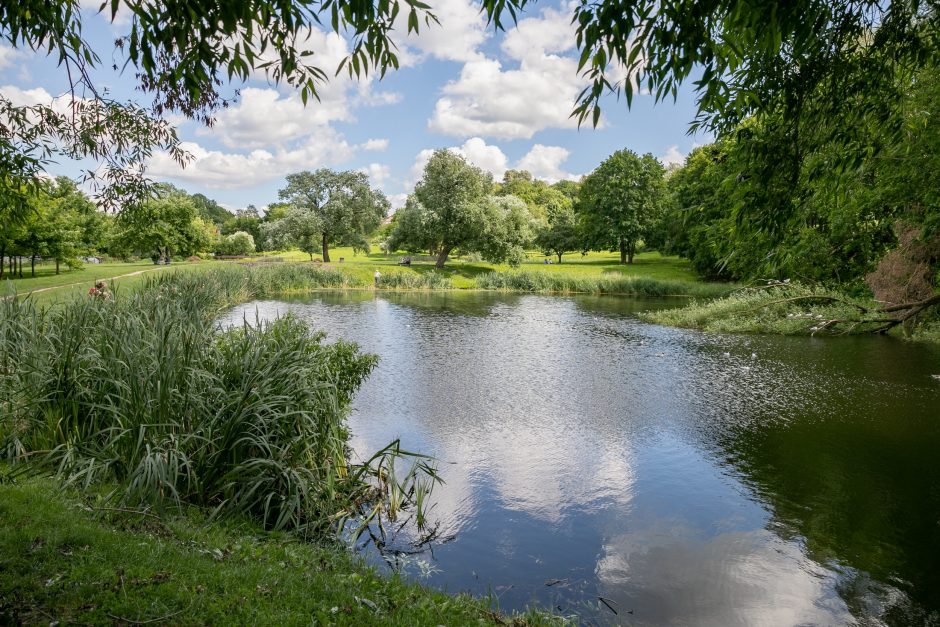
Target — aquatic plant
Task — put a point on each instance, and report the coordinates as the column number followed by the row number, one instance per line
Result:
column 554, row 282
column 147, row 395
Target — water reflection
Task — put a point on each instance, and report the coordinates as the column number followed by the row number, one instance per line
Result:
column 687, row 478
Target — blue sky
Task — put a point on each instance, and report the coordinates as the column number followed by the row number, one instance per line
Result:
column 500, row 99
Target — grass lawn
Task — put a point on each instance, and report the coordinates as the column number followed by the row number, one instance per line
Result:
column 462, row 273
column 47, row 287
column 66, row 560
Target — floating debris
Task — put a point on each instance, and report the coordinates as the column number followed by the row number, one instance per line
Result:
column 607, row 602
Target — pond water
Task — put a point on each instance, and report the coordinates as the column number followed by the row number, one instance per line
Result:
column 685, row 477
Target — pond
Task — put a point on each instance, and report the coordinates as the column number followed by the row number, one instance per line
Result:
column 684, row 477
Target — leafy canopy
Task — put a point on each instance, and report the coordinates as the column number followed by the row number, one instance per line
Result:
column 340, row 206
column 620, row 201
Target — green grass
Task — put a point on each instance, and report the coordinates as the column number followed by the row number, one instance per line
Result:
column 63, row 559
column 462, row 272
column 593, row 273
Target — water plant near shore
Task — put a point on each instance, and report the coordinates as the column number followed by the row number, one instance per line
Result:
column 545, row 282
column 146, row 393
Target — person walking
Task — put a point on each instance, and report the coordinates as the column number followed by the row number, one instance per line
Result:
column 378, row 275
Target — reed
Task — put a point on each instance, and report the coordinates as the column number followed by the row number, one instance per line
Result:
column 553, row 282
column 146, row 393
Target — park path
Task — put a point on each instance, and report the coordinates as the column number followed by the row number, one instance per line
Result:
column 92, row 281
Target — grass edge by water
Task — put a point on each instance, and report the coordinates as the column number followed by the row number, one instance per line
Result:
column 66, row 557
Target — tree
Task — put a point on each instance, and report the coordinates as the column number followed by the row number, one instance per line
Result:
column 343, row 205
column 538, row 195
column 210, row 210
column 163, row 225
column 748, row 58
column 506, row 230
column 620, row 201
column 561, row 234
column 447, row 209
column 245, row 220
column 296, row 227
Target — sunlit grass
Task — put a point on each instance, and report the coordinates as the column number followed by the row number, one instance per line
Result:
column 67, row 560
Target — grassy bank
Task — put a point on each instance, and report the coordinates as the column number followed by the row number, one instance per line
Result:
column 790, row 309
column 358, row 270
column 65, row 560
column 559, row 283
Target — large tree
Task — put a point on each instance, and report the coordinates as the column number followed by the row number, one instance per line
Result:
column 620, row 201
column 447, row 209
column 343, row 204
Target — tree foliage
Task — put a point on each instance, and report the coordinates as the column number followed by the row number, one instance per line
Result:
column 453, row 208
column 341, row 206
column 620, row 201
column 163, row 226
column 561, row 233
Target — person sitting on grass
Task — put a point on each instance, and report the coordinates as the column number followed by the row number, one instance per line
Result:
column 100, row 291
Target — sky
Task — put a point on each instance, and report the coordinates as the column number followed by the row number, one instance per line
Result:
column 502, row 100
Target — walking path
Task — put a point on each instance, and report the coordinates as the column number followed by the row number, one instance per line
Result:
column 113, row 278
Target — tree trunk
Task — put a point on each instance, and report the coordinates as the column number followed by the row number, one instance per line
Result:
column 442, row 256
column 559, row 257
column 57, row 266
column 631, row 249
column 326, row 249
column 32, row 265
column 3, row 252
column 623, row 251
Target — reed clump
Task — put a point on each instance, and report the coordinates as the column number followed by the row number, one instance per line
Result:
column 146, row 394
column 560, row 283
column 414, row 281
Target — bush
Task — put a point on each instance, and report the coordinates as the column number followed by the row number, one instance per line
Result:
column 237, row 244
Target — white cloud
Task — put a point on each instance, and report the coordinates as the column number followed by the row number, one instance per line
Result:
column 461, row 31
column 36, row 96
column 474, row 150
column 484, row 156
column 672, row 156
column 375, row 144
column 397, row 200
column 544, row 162
column 264, row 118
column 492, row 101
column 214, row 168
column 534, row 37
column 378, row 173
column 9, row 55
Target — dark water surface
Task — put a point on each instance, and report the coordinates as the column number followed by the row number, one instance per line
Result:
column 688, row 478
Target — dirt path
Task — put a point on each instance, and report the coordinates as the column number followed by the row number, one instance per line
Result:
column 113, row 278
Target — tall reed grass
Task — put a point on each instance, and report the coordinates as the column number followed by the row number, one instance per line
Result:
column 414, row 281
column 146, row 394
column 553, row 282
